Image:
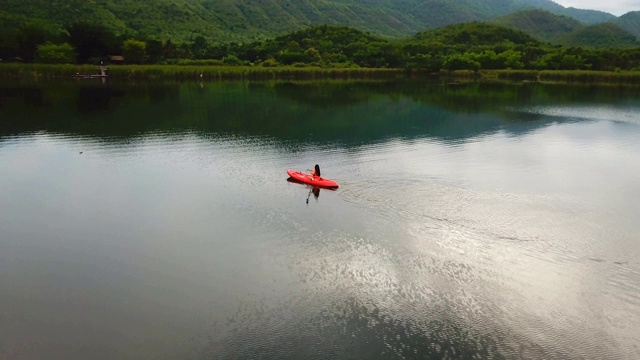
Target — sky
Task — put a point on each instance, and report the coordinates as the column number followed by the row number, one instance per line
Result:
column 615, row 7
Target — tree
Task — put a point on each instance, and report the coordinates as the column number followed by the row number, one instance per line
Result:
column 154, row 50
column 312, row 55
column 29, row 38
column 287, row 57
column 199, row 47
column 134, row 51
column 461, row 62
column 49, row 53
column 488, row 59
column 571, row 62
column 511, row 59
column 170, row 50
column 231, row 60
column 270, row 63
column 91, row 41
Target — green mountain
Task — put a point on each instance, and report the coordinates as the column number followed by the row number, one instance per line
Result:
column 585, row 16
column 561, row 29
column 242, row 20
column 474, row 34
column 606, row 35
column 540, row 24
column 630, row 22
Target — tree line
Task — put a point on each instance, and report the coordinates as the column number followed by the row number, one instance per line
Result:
column 471, row 46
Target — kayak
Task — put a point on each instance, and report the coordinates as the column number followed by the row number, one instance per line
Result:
column 315, row 181
column 309, row 179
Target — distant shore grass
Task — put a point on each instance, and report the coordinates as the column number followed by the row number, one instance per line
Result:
column 564, row 76
column 209, row 72
column 197, row 72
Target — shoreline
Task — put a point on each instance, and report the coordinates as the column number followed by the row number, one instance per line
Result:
column 209, row 72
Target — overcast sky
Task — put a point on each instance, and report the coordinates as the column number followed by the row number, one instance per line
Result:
column 615, row 7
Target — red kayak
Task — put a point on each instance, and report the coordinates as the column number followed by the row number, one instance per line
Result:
column 315, row 181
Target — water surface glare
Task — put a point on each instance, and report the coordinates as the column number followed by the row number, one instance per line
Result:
column 474, row 221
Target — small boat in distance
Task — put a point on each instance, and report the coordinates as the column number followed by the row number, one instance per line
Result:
column 103, row 74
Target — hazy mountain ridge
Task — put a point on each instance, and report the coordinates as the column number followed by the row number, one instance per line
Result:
column 583, row 15
column 630, row 22
column 474, row 34
column 241, row 20
column 564, row 30
column 605, row 35
column 540, row 24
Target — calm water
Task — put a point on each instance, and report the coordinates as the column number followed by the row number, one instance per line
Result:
column 155, row 221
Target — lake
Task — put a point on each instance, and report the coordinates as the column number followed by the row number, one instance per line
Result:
column 156, row 221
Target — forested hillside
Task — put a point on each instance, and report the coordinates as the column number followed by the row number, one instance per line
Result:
column 630, row 22
column 474, row 34
column 606, row 35
column 427, row 35
column 563, row 30
column 242, row 20
column 540, row 24
column 470, row 46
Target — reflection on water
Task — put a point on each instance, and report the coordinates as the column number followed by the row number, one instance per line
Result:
column 351, row 330
column 312, row 189
column 350, row 113
column 474, row 221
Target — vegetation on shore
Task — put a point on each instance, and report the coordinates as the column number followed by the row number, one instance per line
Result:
column 197, row 72
column 214, row 72
column 323, row 51
column 551, row 76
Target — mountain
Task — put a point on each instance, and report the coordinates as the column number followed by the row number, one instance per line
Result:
column 585, row 16
column 543, row 25
column 582, row 15
column 243, row 20
column 474, row 34
column 630, row 22
column 177, row 19
column 540, row 24
column 606, row 35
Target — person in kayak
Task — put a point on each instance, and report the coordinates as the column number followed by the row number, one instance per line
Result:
column 316, row 171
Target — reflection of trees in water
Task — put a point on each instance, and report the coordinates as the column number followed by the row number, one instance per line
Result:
column 31, row 96
column 92, row 99
column 334, row 94
column 101, row 111
column 470, row 97
column 346, row 112
column 493, row 97
column 13, row 101
column 351, row 330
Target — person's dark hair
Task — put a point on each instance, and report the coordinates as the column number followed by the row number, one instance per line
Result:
column 317, row 170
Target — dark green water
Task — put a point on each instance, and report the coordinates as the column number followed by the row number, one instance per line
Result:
column 155, row 221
